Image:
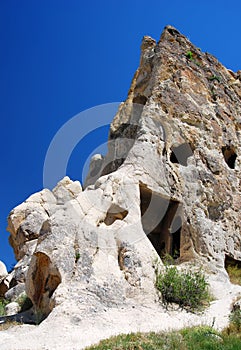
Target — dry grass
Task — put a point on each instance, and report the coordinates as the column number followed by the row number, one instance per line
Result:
column 9, row 324
column 234, row 272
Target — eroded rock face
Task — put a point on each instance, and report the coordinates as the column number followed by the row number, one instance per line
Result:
column 184, row 146
column 170, row 184
column 94, row 251
column 27, row 223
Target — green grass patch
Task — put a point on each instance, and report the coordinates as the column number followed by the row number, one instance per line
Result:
column 189, row 55
column 196, row 338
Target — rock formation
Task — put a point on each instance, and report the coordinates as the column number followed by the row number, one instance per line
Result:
column 170, row 184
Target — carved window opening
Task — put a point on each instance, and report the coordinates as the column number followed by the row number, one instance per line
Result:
column 114, row 213
column 160, row 222
column 181, row 153
column 140, row 99
column 229, row 156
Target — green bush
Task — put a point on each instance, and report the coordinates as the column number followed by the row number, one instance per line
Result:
column 188, row 289
column 189, row 55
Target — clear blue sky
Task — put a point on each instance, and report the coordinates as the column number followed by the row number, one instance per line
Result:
column 58, row 58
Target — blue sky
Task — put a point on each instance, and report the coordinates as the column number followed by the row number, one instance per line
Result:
column 59, row 58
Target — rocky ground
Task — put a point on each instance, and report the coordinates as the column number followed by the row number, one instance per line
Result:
column 76, row 332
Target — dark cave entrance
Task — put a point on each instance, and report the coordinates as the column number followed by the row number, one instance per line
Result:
column 229, row 156
column 161, row 222
column 114, row 213
column 176, row 237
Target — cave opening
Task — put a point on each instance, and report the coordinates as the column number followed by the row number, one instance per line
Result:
column 181, row 153
column 161, row 222
column 229, row 156
column 114, row 213
column 140, row 99
column 176, row 237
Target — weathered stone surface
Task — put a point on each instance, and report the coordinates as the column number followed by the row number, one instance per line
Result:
column 86, row 238
column 14, row 292
column 30, row 221
column 26, row 220
column 96, row 164
column 170, row 184
column 185, row 144
column 66, row 190
column 12, row 308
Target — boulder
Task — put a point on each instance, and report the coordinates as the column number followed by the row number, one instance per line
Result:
column 12, row 308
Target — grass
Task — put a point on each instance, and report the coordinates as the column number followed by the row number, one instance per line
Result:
column 234, row 322
column 214, row 77
column 6, row 325
column 3, row 303
column 234, row 272
column 188, row 289
column 23, row 301
column 196, row 338
column 189, row 55
column 77, row 256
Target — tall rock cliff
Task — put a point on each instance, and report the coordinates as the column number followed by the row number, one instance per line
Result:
column 170, row 184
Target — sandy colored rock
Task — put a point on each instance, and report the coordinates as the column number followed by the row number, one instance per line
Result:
column 169, row 184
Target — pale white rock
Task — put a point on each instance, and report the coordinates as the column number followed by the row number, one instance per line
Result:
column 15, row 292
column 12, row 308
column 3, row 270
column 66, row 190
column 96, row 165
